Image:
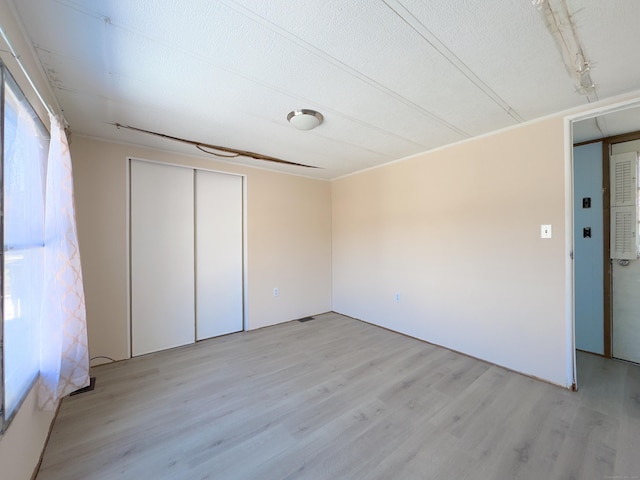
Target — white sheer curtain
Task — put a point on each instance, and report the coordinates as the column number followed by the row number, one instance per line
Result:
column 64, row 358
column 25, row 155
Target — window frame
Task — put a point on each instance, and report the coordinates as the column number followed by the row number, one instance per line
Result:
column 6, row 79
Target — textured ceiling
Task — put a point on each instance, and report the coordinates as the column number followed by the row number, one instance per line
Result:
column 392, row 78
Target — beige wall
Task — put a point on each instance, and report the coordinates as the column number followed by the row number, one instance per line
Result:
column 288, row 240
column 457, row 233
column 22, row 444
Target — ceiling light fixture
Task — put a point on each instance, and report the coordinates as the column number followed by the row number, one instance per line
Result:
column 305, row 119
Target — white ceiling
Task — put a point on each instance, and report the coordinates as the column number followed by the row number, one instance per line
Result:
column 392, row 77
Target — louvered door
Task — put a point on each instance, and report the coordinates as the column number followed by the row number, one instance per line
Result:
column 624, row 216
column 624, row 253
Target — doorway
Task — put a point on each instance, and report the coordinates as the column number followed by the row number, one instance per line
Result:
column 610, row 327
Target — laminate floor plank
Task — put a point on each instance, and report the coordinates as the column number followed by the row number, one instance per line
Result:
column 338, row 398
column 535, row 432
column 631, row 403
column 627, row 446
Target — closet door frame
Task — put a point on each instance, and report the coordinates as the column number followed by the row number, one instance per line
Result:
column 245, row 302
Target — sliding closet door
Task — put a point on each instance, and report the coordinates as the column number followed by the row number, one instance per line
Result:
column 162, row 253
column 219, row 308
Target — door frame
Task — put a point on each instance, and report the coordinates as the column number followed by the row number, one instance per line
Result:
column 598, row 111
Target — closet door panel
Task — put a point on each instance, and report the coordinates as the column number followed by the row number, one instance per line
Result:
column 219, row 289
column 162, row 257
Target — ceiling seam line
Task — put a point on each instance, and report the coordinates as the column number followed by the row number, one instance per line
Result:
column 337, row 63
column 83, row 10
column 451, row 57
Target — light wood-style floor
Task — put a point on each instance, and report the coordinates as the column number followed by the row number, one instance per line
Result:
column 336, row 398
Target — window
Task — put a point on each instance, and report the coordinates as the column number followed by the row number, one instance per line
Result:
column 25, row 144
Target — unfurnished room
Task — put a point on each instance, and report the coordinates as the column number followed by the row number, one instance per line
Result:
column 361, row 239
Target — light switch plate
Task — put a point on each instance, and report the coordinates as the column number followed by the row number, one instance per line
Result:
column 545, row 231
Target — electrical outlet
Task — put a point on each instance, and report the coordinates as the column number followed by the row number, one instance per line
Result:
column 397, row 296
column 276, row 292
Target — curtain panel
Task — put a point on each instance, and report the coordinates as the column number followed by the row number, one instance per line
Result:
column 64, row 354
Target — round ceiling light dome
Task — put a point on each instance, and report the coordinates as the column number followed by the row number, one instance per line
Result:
column 305, row 119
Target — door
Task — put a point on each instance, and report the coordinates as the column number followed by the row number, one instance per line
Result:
column 162, row 252
column 219, row 297
column 588, row 248
column 624, row 252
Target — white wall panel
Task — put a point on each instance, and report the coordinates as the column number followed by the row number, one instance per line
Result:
column 162, row 252
column 218, row 254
